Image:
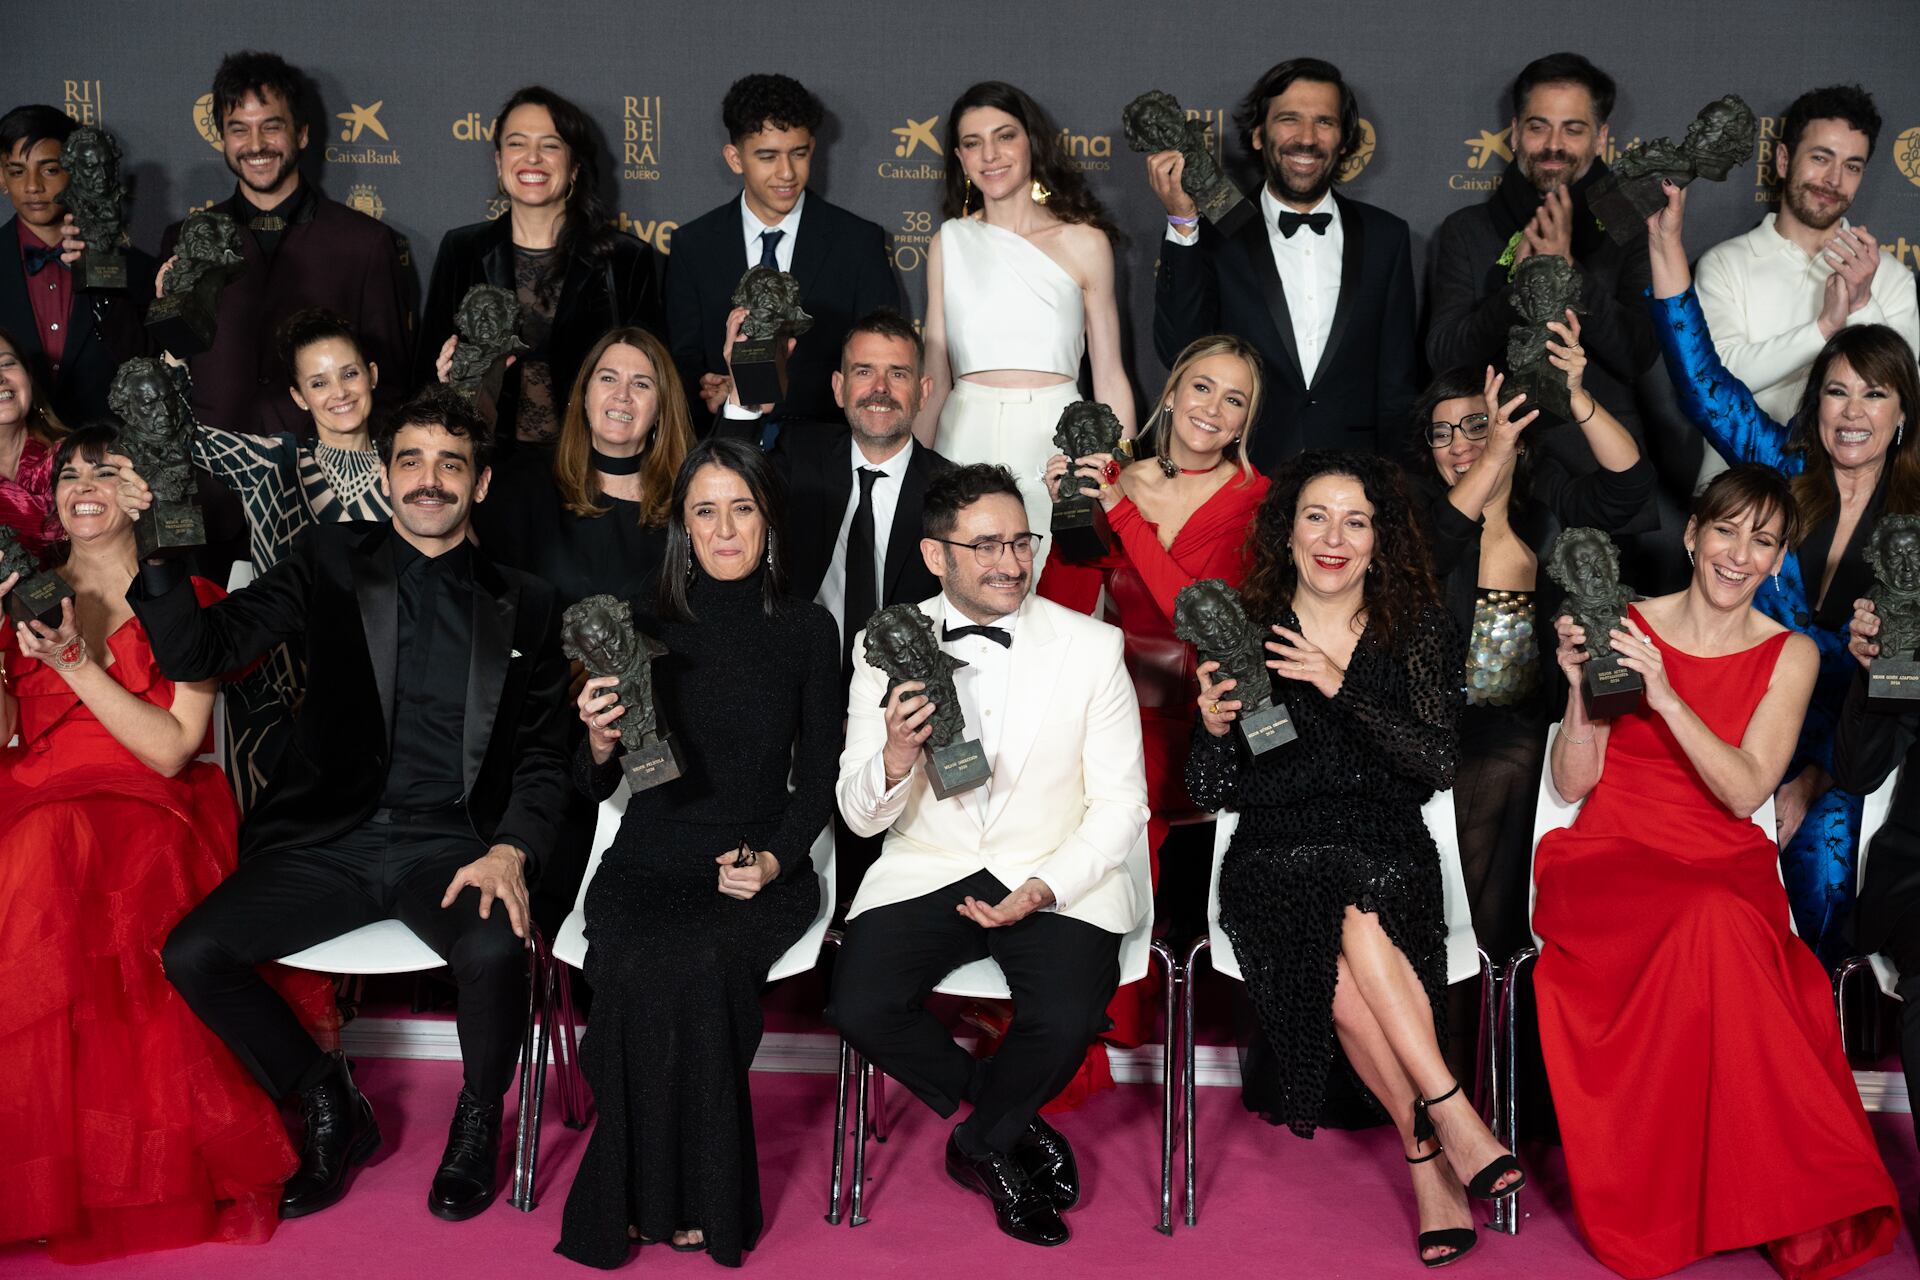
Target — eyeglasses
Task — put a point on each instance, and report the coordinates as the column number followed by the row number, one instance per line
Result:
column 1473, row 427
column 986, row 552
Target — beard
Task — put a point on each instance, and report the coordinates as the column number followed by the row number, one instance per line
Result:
column 1550, row 181
column 1819, row 216
column 275, row 176
column 1283, row 183
column 886, row 430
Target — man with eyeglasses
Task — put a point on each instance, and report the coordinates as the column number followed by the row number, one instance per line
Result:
column 1029, row 868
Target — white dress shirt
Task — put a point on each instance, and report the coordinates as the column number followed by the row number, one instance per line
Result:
column 1761, row 295
column 982, row 686
column 1309, row 267
column 886, row 498
column 751, row 226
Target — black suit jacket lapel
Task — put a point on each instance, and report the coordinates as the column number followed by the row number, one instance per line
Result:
column 496, row 603
column 376, row 586
column 1352, row 258
column 810, row 247
column 1251, row 236
column 904, row 541
column 496, row 262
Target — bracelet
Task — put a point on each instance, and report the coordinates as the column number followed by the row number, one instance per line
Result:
column 1578, row 742
column 892, row 781
column 1581, row 422
column 71, row 657
column 1184, row 222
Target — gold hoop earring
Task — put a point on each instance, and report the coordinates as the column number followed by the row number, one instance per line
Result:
column 1039, row 192
column 571, row 184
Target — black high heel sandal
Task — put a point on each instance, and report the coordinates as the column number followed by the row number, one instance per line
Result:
column 1482, row 1184
column 1459, row 1239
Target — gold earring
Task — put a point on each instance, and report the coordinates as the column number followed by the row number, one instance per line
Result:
column 1040, row 193
column 966, row 197
column 571, row 184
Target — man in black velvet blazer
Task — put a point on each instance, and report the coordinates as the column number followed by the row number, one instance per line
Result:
column 1321, row 285
column 423, row 781
column 840, row 260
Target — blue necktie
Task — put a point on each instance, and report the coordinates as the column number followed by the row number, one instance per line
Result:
column 769, row 241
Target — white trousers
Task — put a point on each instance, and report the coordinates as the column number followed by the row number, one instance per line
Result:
column 1014, row 427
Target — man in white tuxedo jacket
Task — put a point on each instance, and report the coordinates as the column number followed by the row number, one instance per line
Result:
column 1028, row 869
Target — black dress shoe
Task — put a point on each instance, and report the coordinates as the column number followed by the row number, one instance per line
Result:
column 1043, row 1153
column 341, row 1133
column 1021, row 1211
column 469, row 1170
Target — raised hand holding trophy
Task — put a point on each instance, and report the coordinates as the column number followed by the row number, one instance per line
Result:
column 901, row 641
column 1893, row 681
column 185, row 317
column 488, row 322
column 97, row 201
column 1210, row 616
column 1545, row 287
column 149, row 397
column 598, row 633
column 1720, row 137
column 1079, row 528
column 774, row 314
column 37, row 596
column 1155, row 121
column 1586, row 565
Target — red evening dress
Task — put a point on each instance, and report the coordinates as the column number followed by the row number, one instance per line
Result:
column 1142, row 578
column 1703, row 1098
column 125, row 1125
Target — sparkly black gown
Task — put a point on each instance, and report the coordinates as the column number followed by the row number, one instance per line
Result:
column 1330, row 820
column 677, row 968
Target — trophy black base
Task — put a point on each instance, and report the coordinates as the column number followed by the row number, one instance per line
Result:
column 956, row 769
column 1610, row 690
column 100, row 272
column 1893, row 684
column 1267, row 728
column 1079, row 530
column 1220, row 203
column 652, row 765
column 1546, row 389
column 169, row 526
column 177, row 328
column 37, row 599
column 759, row 368
column 1623, row 206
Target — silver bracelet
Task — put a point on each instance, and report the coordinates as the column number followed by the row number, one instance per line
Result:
column 1578, row 742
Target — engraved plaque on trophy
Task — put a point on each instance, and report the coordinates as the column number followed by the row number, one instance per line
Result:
column 1210, row 616
column 901, row 641
column 37, row 596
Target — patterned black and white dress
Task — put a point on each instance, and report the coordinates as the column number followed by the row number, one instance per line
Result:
column 283, row 485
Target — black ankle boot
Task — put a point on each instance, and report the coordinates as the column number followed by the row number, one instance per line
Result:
column 469, row 1170
column 341, row 1133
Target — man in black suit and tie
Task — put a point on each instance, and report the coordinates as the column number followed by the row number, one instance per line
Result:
column 423, row 781
column 854, row 494
column 840, row 260
column 1320, row 284
column 72, row 341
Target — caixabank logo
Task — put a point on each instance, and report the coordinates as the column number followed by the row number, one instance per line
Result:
column 357, row 139
column 917, row 156
column 82, row 100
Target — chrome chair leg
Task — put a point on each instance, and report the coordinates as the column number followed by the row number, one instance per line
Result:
column 1488, row 1052
column 1170, row 1011
column 533, row 1070
column 1509, row 1117
column 858, row 1200
column 877, row 1117
column 1187, row 1059
column 1846, row 969
column 839, row 1135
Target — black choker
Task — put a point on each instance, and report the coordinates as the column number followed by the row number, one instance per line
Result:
column 608, row 465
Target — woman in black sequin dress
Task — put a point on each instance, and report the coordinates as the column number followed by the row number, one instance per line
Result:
column 1330, row 891
column 680, row 937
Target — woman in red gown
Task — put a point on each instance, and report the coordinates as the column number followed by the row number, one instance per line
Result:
column 125, row 1125
column 1697, row 1073
column 1177, row 516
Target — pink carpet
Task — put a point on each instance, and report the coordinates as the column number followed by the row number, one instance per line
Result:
column 1269, row 1204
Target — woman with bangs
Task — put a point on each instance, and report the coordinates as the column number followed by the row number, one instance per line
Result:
column 1847, row 453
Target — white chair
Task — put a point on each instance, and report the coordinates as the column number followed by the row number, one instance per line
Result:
column 1551, row 812
column 983, row 980
column 551, row 999
column 1873, row 815
column 1465, row 959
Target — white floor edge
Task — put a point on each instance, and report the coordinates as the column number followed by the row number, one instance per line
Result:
column 1215, row 1066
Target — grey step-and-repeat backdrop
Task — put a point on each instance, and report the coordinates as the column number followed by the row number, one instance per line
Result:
column 409, row 91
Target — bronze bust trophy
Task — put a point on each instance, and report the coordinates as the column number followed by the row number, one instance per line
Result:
column 1210, row 616
column 488, row 322
column 1720, row 137
column 598, row 633
column 1893, row 681
column 149, row 397
column 97, row 199
column 1545, row 287
column 1586, row 565
column 901, row 641
column 37, row 596
column 774, row 314
column 1079, row 527
column 185, row 317
column 1155, row 121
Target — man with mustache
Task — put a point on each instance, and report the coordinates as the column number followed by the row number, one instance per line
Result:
column 855, row 493
column 1773, row 296
column 302, row 250
column 422, row 781
column 1321, row 285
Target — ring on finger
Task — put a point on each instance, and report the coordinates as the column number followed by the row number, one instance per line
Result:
column 1214, row 709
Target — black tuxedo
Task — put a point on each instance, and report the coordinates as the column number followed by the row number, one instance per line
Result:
column 319, row 854
column 103, row 329
column 844, row 272
column 1367, row 378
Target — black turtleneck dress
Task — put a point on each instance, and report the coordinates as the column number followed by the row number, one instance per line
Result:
column 676, row 967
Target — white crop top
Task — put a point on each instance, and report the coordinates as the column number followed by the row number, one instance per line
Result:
column 1008, row 305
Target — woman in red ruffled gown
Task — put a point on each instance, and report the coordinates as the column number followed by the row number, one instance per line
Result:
column 1704, row 1100
column 1178, row 515
column 125, row 1125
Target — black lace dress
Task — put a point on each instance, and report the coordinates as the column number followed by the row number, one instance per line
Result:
column 1331, row 820
column 676, row 967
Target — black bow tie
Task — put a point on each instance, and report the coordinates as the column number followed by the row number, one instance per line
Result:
column 37, row 256
column 999, row 635
column 1290, row 222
